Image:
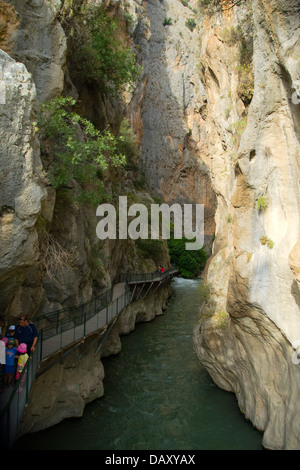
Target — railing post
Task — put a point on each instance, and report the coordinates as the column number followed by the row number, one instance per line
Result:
column 41, row 344
column 84, row 320
column 26, row 378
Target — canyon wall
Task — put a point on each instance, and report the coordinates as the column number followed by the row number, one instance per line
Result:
column 221, row 101
column 34, row 69
column 251, row 322
column 217, row 116
column 173, row 146
column 40, row 225
column 220, row 120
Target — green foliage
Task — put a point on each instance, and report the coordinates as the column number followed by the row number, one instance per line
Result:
column 191, row 24
column 73, row 148
column 238, row 129
column 220, row 319
column 261, row 203
column 157, row 200
column 264, row 240
column 152, row 249
column 232, row 35
column 167, row 22
column 128, row 145
column 246, row 83
column 190, row 263
column 97, row 52
column 214, row 6
column 242, row 38
column 140, row 183
column 185, row 3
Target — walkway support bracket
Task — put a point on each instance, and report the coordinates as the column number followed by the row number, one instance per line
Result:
column 148, row 290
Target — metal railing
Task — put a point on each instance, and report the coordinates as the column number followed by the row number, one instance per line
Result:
column 53, row 338
column 53, row 320
column 11, row 414
column 57, row 330
column 133, row 278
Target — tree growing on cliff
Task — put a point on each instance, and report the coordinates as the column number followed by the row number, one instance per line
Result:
column 191, row 262
column 98, row 53
column 214, row 6
column 72, row 148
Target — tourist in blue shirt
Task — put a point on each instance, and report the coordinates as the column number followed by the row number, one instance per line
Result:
column 9, row 366
column 26, row 333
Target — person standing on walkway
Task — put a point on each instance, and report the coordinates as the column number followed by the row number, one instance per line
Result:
column 11, row 334
column 22, row 359
column 26, row 333
column 9, row 367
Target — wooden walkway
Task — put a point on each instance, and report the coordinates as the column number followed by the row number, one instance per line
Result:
column 99, row 320
column 61, row 334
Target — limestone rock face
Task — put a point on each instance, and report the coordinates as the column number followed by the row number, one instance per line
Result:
column 34, row 38
column 8, row 26
column 173, row 147
column 143, row 311
column 254, row 273
column 65, row 389
column 40, row 43
column 294, row 261
column 21, row 194
column 58, row 225
column 211, row 131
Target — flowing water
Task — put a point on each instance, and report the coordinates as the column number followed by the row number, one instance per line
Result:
column 157, row 394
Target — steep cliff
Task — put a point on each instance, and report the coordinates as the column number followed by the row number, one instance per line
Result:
column 221, row 119
column 217, row 118
column 251, row 321
column 51, row 256
column 173, row 145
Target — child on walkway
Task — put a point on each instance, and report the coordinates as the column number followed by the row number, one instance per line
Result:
column 22, row 359
column 11, row 334
column 9, row 367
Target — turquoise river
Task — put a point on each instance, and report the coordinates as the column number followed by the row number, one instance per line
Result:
column 157, row 394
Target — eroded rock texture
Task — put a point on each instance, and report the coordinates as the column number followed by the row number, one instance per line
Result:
column 252, row 320
column 21, row 194
column 217, row 115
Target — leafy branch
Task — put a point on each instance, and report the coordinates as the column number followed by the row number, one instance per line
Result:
column 215, row 6
column 72, row 148
column 98, row 53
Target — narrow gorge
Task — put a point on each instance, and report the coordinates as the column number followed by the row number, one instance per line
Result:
column 202, row 97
